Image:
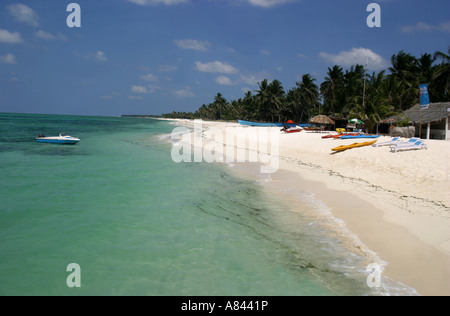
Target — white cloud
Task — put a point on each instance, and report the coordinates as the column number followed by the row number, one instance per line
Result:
column 153, row 88
column 425, row 27
column 23, row 13
column 193, row 44
column 8, row 59
column 224, row 80
column 49, row 36
column 356, row 56
column 267, row 3
column 445, row 27
column 184, row 93
column 135, row 97
column 45, row 35
column 251, row 80
column 215, row 67
column 302, row 56
column 156, row 2
column 150, row 77
column 100, row 56
column 265, row 52
column 139, row 89
column 11, row 38
column 145, row 89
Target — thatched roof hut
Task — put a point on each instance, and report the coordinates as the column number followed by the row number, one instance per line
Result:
column 436, row 118
column 435, row 112
column 322, row 119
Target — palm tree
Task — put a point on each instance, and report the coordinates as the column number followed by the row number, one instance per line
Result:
column 219, row 106
column 308, row 96
column 234, row 109
column 270, row 97
column 276, row 98
column 203, row 112
column 332, row 90
column 406, row 69
column 354, row 86
column 262, row 99
column 425, row 68
column 442, row 75
column 249, row 109
column 377, row 105
column 427, row 71
column 404, row 66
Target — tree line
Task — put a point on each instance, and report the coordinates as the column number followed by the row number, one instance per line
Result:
column 352, row 93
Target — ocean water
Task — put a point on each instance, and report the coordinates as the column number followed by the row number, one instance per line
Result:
column 137, row 223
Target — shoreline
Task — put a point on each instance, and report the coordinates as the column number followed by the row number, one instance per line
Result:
column 408, row 231
column 402, row 252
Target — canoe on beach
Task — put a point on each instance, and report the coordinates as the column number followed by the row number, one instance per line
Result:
column 340, row 135
column 292, row 130
column 355, row 145
column 359, row 136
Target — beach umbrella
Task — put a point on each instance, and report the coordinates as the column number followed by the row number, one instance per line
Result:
column 322, row 119
column 356, row 121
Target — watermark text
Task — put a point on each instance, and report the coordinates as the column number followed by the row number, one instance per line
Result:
column 374, row 18
column 74, row 18
column 227, row 145
column 74, row 278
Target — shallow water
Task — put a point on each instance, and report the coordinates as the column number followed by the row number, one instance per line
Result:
column 139, row 224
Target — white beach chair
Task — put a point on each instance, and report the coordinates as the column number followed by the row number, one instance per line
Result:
column 409, row 142
column 394, row 141
column 409, row 145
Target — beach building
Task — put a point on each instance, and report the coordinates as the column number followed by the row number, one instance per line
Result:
column 435, row 120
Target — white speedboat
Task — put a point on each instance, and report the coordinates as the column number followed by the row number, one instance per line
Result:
column 58, row 139
column 290, row 130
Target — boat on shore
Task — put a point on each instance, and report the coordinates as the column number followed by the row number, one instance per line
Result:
column 65, row 140
column 354, row 145
column 359, row 136
column 290, row 130
column 262, row 124
column 248, row 123
column 340, row 135
column 313, row 128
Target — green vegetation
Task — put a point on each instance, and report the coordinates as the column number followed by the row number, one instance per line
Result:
column 349, row 94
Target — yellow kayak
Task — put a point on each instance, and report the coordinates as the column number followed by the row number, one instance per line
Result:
column 345, row 147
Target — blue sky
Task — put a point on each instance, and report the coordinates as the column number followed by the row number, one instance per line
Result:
column 156, row 56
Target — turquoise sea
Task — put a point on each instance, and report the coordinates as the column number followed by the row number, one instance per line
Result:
column 137, row 223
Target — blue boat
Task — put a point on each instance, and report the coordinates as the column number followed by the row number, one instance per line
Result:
column 359, row 136
column 65, row 140
column 248, row 123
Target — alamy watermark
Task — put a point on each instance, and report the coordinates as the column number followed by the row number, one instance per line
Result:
column 74, row 18
column 374, row 278
column 374, row 18
column 227, row 145
column 74, row 278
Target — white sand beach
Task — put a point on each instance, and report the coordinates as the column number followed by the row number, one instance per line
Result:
column 397, row 204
